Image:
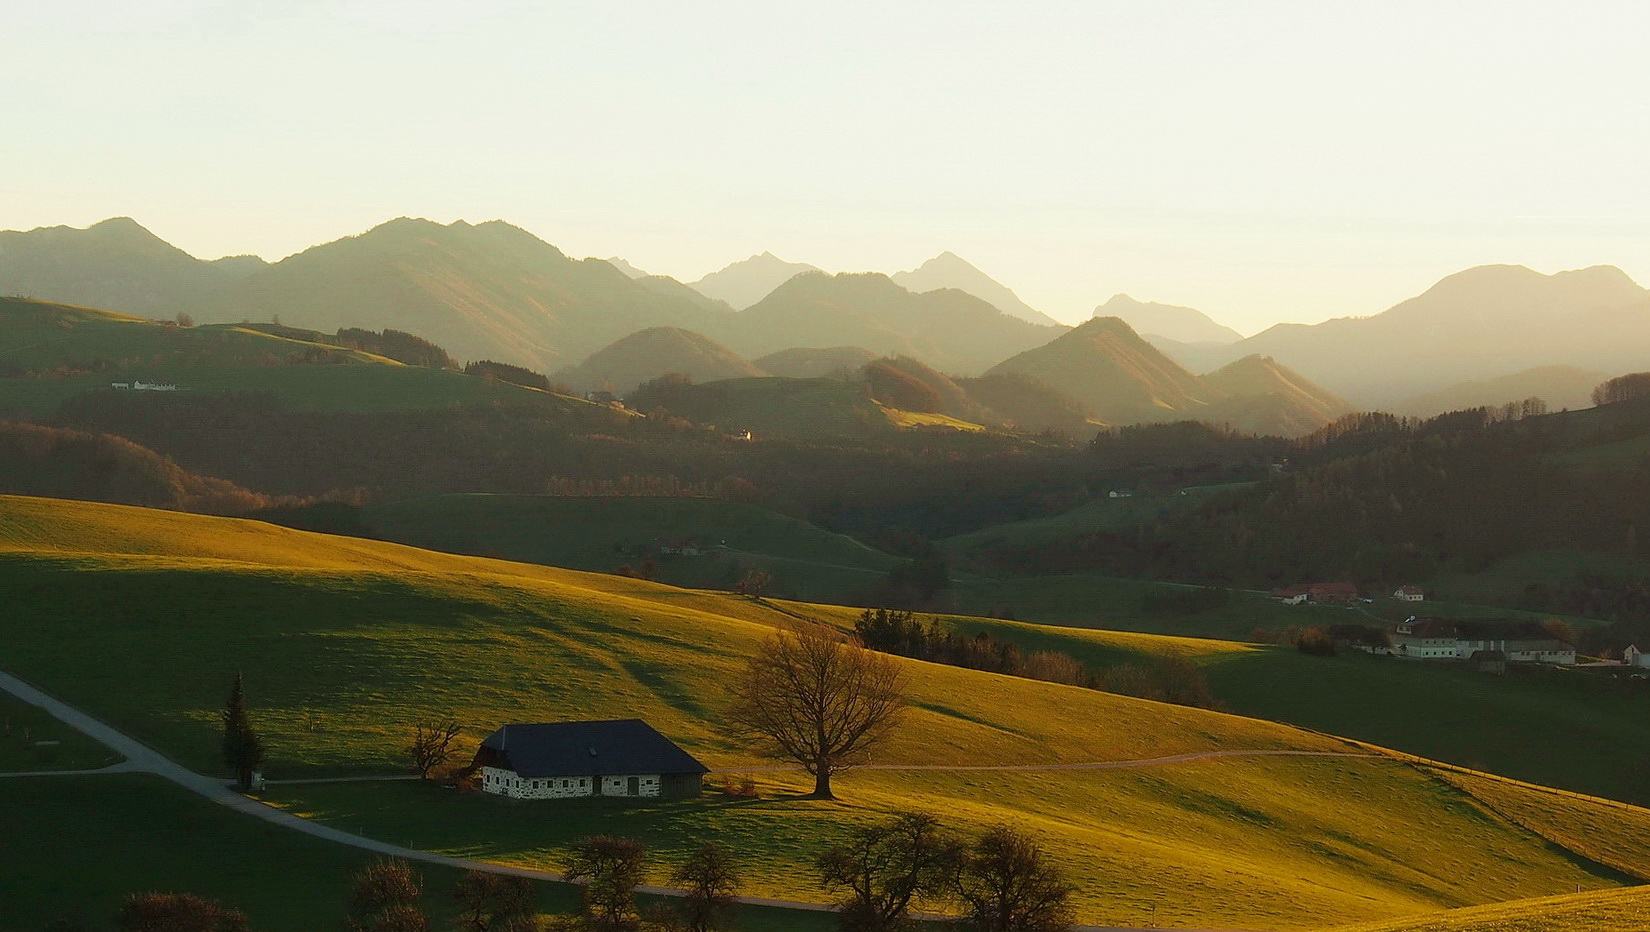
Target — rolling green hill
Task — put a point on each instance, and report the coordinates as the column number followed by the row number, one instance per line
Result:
column 809, row 363
column 648, row 354
column 1607, row 911
column 54, row 352
column 1265, row 397
column 791, row 408
column 599, row 534
column 345, row 643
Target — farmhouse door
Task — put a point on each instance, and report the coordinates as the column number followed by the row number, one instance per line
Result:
column 635, row 786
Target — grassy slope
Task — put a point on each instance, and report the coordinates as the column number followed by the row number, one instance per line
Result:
column 217, row 358
column 376, row 635
column 23, row 727
column 1608, row 911
column 601, row 533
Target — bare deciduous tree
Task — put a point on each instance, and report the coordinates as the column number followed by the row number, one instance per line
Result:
column 1009, row 885
column 177, row 912
column 384, row 898
column 610, row 869
column 494, row 902
column 432, row 746
column 819, row 700
column 709, row 877
column 886, row 868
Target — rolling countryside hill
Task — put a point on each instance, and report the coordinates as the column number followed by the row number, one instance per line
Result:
column 1263, row 397
column 949, row 270
column 1560, row 387
column 648, row 354
column 55, row 352
column 371, row 637
column 810, row 363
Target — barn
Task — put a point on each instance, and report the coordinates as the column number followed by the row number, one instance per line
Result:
column 559, row 760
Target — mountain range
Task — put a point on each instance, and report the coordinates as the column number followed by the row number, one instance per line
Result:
column 1114, row 372
column 1482, row 323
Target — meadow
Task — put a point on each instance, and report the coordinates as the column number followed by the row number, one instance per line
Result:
column 32, row 740
column 1611, row 911
column 345, row 644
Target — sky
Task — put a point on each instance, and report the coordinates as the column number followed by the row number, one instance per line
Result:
column 1263, row 161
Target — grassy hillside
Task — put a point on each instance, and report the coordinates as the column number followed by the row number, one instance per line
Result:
column 601, row 533
column 31, row 740
column 795, row 408
column 1609, row 911
column 370, row 637
column 72, row 350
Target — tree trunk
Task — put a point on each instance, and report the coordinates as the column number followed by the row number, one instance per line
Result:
column 822, row 784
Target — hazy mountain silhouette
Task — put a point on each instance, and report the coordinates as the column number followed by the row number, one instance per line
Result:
column 1560, row 386
column 1105, row 366
column 487, row 290
column 626, row 267
column 1264, row 397
column 1485, row 322
column 650, row 353
column 1180, row 324
column 948, row 270
column 801, row 362
column 947, row 329
column 748, row 281
column 116, row 264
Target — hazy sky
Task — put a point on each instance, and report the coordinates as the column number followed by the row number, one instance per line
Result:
column 1261, row 161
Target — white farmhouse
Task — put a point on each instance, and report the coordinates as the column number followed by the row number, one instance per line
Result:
column 1409, row 594
column 556, row 760
column 1633, row 657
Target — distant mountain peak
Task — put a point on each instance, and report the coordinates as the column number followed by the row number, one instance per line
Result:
column 744, row 283
column 1181, row 324
column 949, row 270
column 629, row 270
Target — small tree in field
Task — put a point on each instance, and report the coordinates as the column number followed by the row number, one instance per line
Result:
column 1009, row 885
column 176, row 912
column 754, row 583
column 883, row 869
column 818, row 699
column 384, row 898
column 610, row 868
column 495, row 903
column 432, row 746
column 243, row 749
column 711, row 882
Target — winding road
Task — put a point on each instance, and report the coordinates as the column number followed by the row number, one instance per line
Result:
column 140, row 758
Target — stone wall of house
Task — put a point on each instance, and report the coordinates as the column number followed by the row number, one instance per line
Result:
column 507, row 783
column 646, row 785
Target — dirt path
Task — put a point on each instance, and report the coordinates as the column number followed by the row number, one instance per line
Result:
column 140, row 758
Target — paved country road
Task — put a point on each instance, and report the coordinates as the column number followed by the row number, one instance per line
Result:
column 140, row 758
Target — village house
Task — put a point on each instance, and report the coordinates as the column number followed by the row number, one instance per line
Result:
column 558, row 760
column 1461, row 639
column 685, row 546
column 1409, row 594
column 1633, row 657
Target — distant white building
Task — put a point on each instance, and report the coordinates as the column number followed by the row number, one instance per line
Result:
column 1634, row 657
column 1409, row 594
column 1452, row 639
column 153, row 387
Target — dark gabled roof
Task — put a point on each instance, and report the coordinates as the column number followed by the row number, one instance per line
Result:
column 1481, row 629
column 588, row 749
